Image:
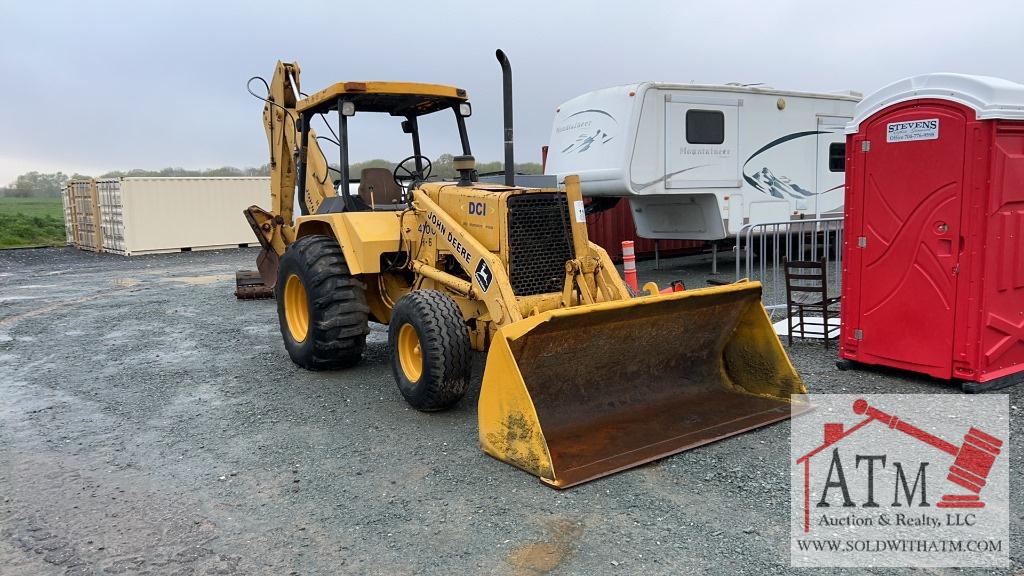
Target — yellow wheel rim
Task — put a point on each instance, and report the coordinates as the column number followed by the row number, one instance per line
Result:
column 410, row 355
column 296, row 308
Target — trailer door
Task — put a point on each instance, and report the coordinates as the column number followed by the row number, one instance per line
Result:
column 701, row 142
column 831, row 166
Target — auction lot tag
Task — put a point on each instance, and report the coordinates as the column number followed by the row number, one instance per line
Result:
column 580, row 210
column 912, row 130
column 900, row 480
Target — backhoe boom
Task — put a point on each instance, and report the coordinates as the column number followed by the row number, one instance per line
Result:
column 283, row 124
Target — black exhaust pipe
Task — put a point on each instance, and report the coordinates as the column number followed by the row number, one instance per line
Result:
column 506, row 85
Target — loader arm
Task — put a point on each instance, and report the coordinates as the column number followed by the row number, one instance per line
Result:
column 592, row 276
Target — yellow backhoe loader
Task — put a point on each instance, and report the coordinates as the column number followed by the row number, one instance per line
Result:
column 582, row 378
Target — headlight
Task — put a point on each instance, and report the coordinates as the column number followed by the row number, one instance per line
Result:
column 465, row 110
column 348, row 108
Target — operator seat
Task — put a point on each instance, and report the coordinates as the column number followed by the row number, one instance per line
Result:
column 378, row 189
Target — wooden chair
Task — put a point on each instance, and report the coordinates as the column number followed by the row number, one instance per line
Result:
column 807, row 291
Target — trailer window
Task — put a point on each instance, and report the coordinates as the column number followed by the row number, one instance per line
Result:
column 837, row 157
column 705, row 127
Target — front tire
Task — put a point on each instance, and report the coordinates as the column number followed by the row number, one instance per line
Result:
column 430, row 353
column 321, row 307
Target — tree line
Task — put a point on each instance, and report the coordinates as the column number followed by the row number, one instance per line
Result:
column 48, row 185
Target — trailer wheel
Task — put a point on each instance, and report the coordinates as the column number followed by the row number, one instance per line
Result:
column 321, row 307
column 429, row 350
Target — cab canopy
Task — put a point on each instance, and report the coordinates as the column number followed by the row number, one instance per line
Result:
column 395, row 98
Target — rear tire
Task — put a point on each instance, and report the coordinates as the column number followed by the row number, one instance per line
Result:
column 430, row 352
column 321, row 307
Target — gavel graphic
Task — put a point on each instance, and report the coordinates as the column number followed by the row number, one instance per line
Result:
column 972, row 460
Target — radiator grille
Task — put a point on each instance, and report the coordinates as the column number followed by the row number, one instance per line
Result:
column 540, row 242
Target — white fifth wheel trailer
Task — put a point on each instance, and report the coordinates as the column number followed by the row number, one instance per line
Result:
column 701, row 161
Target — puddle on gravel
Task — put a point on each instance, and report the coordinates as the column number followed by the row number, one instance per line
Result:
column 116, row 334
column 205, row 396
column 13, row 298
column 260, row 330
column 12, row 320
column 199, row 280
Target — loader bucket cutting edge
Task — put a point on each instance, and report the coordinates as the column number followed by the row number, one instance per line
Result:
column 575, row 394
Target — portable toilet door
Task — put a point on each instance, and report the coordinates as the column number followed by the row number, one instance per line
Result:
column 919, row 209
column 908, row 235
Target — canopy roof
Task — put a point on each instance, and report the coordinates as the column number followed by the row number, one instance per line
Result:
column 395, row 98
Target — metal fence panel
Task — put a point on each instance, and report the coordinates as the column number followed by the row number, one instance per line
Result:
column 762, row 248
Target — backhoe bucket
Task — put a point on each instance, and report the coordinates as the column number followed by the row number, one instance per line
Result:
column 578, row 393
column 250, row 285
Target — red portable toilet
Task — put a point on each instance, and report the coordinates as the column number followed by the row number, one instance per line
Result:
column 933, row 255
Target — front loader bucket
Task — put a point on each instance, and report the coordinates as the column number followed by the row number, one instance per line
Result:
column 578, row 393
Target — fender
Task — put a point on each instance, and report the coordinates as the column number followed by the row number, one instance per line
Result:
column 363, row 236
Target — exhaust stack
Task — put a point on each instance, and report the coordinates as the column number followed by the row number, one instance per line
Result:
column 506, row 84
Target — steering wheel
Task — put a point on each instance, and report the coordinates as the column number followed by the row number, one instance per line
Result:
column 405, row 176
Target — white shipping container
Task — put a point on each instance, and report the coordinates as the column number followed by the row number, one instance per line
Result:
column 140, row 215
column 111, row 215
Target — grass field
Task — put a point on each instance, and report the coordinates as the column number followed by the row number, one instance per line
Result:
column 31, row 222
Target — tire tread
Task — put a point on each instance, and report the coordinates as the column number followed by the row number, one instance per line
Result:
column 446, row 348
column 339, row 321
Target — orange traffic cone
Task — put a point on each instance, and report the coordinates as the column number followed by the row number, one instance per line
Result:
column 629, row 265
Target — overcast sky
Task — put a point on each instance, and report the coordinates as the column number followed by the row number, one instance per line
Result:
column 97, row 86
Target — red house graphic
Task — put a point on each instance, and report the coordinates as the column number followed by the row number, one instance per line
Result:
column 972, row 460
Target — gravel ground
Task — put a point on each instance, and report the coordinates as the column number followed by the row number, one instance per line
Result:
column 152, row 424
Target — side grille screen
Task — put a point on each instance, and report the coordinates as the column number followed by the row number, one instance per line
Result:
column 540, row 242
